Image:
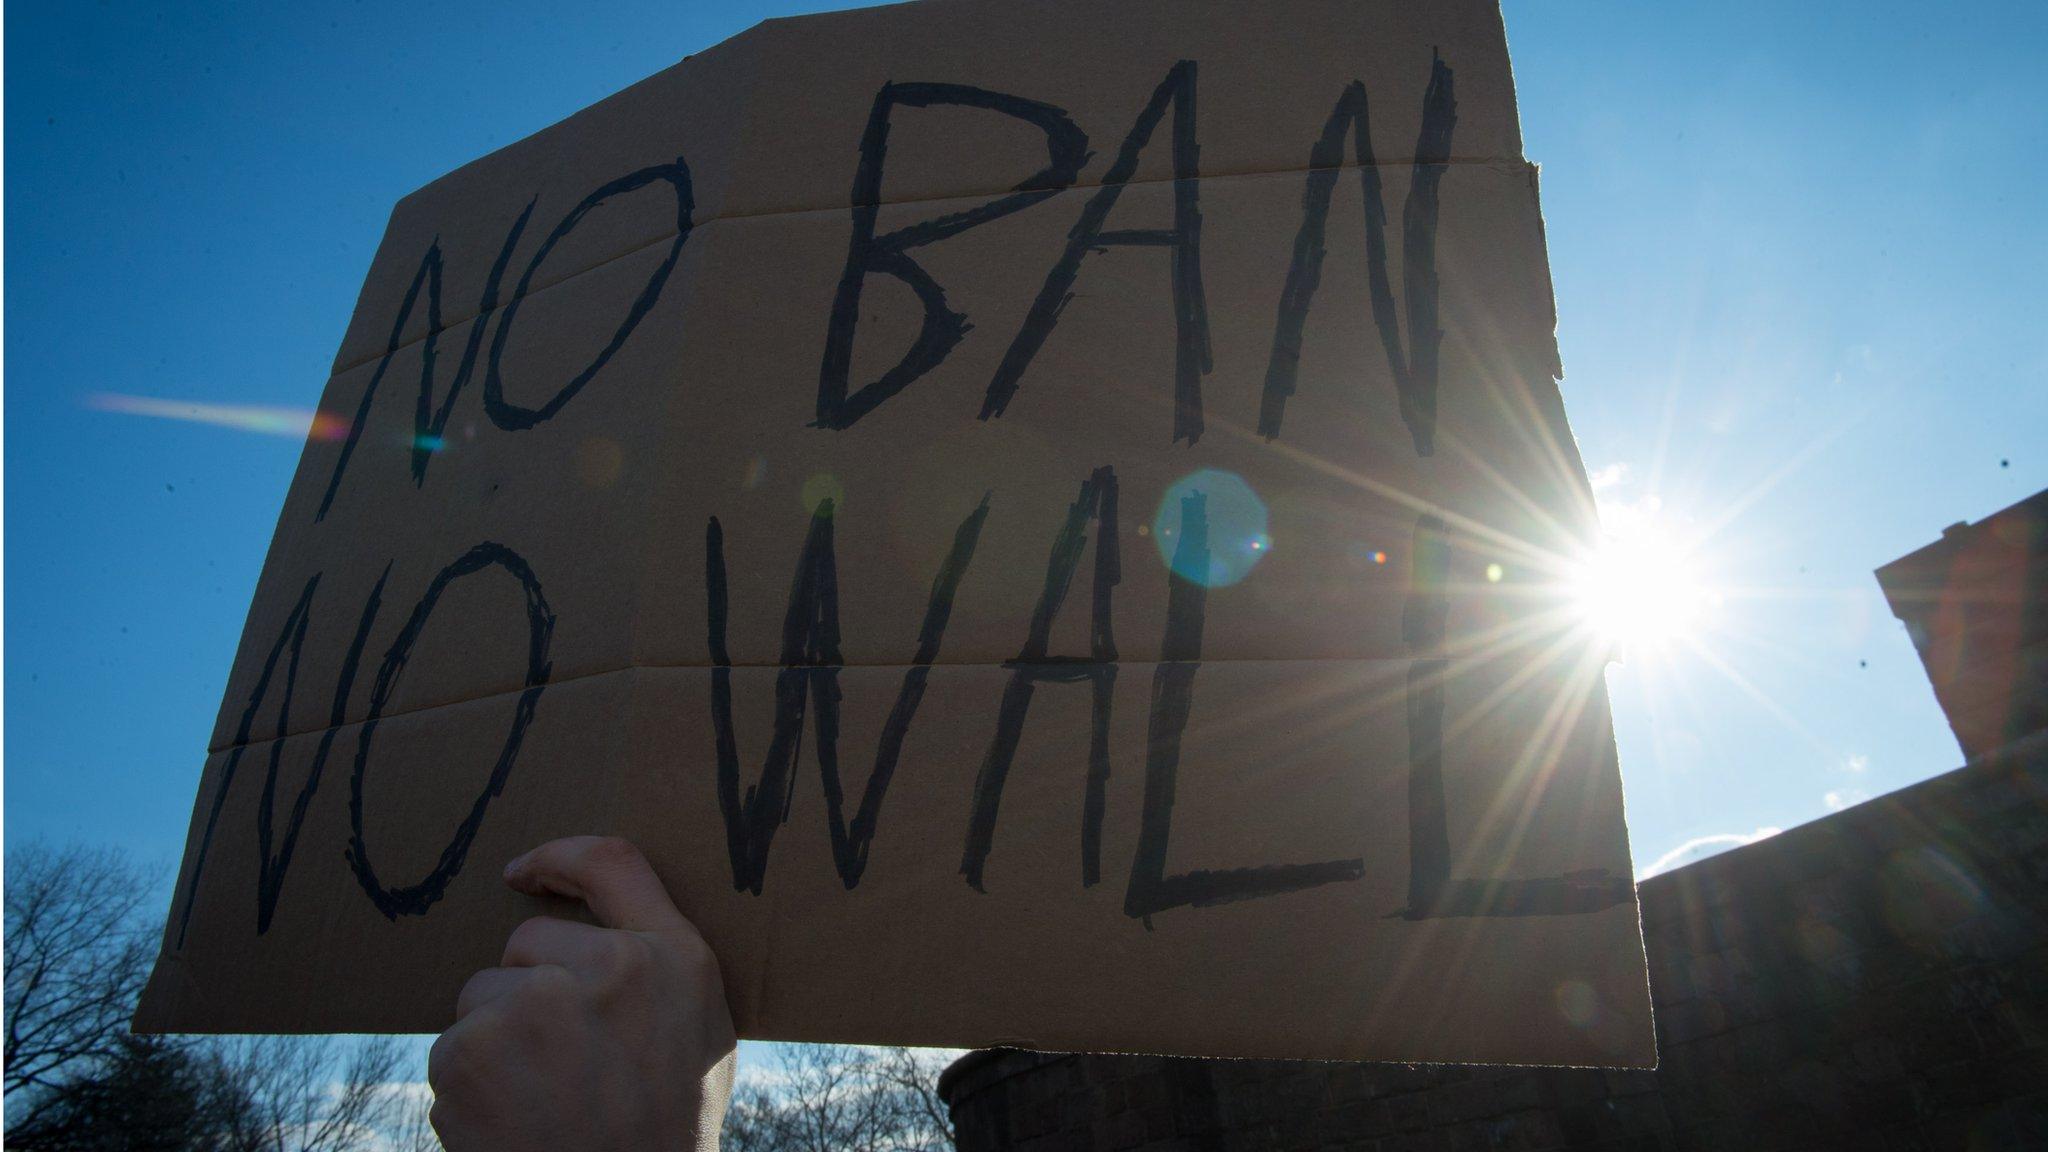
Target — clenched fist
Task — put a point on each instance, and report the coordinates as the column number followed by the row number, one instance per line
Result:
column 589, row 1038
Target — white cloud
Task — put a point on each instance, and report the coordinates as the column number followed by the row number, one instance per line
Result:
column 1701, row 847
column 415, row 1093
column 1626, row 518
column 1837, row 800
column 1857, row 762
column 1611, row 476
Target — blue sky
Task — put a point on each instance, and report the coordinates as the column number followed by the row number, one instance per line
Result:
column 1798, row 254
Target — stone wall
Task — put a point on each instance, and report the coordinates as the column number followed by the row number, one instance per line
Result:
column 1874, row 980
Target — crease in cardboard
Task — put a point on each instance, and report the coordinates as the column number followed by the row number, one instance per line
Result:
column 770, row 40
column 542, row 284
column 1334, row 759
column 296, row 733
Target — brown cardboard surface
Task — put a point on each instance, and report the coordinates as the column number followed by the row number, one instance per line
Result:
column 1042, row 956
column 609, row 512
column 772, row 120
column 1191, row 635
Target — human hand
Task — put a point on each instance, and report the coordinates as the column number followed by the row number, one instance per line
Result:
column 585, row 1037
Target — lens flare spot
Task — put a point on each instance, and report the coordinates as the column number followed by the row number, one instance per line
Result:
column 757, row 471
column 822, row 486
column 1235, row 521
column 261, row 419
column 1578, row 1003
column 1494, row 572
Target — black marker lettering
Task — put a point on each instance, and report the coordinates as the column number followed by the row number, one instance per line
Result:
column 1173, row 691
column 1190, row 309
column 1415, row 372
column 515, row 418
column 271, row 869
column 1033, row 665
column 810, row 671
column 428, row 422
column 1432, row 892
column 1066, row 152
column 415, row 899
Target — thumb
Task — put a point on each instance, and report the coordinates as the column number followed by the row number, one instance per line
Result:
column 605, row 872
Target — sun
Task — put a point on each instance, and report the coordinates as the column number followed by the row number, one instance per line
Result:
column 1639, row 589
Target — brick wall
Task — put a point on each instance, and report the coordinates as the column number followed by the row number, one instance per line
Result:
column 1874, row 980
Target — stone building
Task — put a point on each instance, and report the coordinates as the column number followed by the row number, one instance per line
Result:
column 1874, row 980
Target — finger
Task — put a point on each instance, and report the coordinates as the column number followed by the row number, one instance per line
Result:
column 445, row 1061
column 488, row 985
column 549, row 940
column 605, row 872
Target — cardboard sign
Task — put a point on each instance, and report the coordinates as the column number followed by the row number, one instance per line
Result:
column 1042, row 520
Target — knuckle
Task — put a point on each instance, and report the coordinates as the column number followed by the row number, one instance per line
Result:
column 550, row 988
column 611, row 853
column 551, row 1004
column 627, row 955
column 473, row 985
column 699, row 964
column 526, row 936
column 629, row 966
column 445, row 1062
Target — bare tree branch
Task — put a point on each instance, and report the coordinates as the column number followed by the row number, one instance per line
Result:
column 825, row 1098
column 76, row 958
column 311, row 1093
column 77, row 953
column 413, row 1131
